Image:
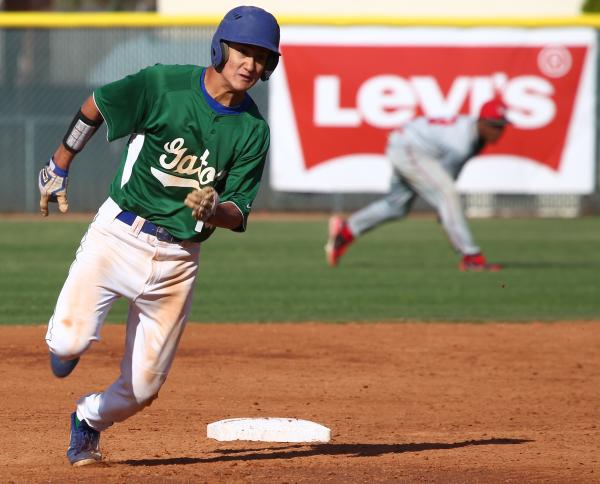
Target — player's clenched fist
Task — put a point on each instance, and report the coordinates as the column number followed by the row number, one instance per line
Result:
column 52, row 182
column 203, row 203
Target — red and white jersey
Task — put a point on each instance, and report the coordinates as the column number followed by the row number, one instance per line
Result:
column 452, row 141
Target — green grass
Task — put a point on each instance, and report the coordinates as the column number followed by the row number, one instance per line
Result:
column 401, row 271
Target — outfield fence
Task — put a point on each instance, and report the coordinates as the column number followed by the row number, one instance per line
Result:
column 49, row 63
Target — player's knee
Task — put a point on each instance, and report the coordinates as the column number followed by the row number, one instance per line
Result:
column 146, row 400
column 146, row 388
column 68, row 336
column 68, row 349
column 395, row 209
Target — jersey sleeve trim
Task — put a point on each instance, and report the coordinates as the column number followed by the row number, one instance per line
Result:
column 101, row 114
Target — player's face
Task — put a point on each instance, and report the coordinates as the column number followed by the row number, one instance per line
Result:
column 245, row 65
column 490, row 132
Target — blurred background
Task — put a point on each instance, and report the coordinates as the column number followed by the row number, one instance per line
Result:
column 51, row 60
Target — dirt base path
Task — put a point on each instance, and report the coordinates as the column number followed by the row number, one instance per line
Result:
column 405, row 402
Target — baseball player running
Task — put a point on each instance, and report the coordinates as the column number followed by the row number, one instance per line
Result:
column 195, row 157
column 427, row 155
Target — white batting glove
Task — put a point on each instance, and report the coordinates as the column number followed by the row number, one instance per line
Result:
column 52, row 182
column 203, row 203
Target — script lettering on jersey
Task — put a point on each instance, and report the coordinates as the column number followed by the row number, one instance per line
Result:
column 184, row 165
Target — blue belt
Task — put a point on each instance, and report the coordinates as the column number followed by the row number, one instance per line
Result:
column 160, row 233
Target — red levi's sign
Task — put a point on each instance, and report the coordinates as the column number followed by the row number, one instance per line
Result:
column 345, row 99
column 359, row 104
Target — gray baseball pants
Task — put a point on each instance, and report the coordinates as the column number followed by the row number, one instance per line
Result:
column 415, row 172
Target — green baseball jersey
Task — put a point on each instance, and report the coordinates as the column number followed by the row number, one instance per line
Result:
column 181, row 139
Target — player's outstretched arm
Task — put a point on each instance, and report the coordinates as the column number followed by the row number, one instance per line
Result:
column 54, row 176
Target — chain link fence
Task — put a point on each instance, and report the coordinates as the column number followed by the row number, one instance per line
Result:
column 46, row 74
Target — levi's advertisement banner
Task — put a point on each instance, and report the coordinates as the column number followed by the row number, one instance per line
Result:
column 339, row 92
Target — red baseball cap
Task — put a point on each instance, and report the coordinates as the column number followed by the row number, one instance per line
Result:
column 494, row 112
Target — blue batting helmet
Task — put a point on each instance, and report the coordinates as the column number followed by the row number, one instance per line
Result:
column 246, row 25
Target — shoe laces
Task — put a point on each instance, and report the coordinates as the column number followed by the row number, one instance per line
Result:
column 87, row 437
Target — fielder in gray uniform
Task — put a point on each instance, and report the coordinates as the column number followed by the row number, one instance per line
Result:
column 427, row 156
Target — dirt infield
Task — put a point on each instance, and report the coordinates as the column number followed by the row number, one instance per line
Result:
column 405, row 402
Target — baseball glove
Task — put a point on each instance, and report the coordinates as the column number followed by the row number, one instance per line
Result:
column 203, row 203
column 52, row 182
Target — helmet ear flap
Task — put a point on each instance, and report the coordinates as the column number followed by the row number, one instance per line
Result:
column 270, row 66
column 224, row 56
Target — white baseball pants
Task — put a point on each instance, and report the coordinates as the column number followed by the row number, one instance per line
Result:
column 416, row 172
column 117, row 260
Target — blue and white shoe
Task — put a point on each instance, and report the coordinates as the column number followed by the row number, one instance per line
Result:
column 84, row 447
column 62, row 368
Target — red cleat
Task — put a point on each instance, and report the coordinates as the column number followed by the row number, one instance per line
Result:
column 339, row 240
column 477, row 263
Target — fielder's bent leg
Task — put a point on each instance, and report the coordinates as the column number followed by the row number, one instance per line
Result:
column 343, row 232
column 393, row 206
column 431, row 180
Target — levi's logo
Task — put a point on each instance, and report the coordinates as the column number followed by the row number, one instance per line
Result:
column 346, row 99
